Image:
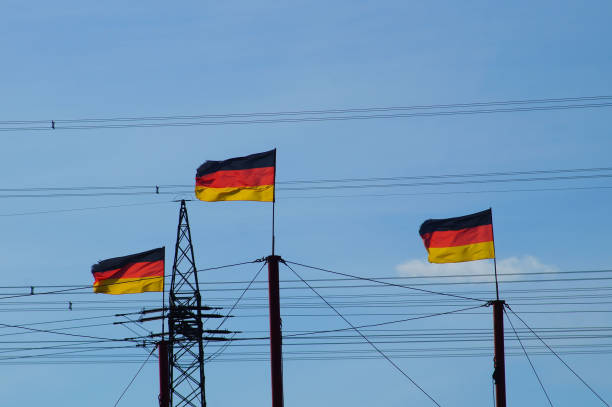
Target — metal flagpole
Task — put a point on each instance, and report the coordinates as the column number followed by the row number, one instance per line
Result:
column 274, row 203
column 162, row 347
column 273, row 211
column 494, row 257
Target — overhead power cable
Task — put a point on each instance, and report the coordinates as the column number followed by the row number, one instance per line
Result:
column 54, row 330
column 386, row 283
column 50, row 331
column 397, row 321
column 345, row 183
column 91, row 208
column 318, row 111
column 153, row 188
column 90, row 286
column 443, row 180
column 70, row 353
column 65, row 290
column 96, row 360
column 433, row 193
column 290, row 197
column 437, row 183
column 310, row 115
column 443, row 176
column 379, row 284
column 388, row 278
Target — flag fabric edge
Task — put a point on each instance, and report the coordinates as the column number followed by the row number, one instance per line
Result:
column 130, row 274
column 247, row 178
column 459, row 239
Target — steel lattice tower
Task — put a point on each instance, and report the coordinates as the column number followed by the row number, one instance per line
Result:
column 185, row 327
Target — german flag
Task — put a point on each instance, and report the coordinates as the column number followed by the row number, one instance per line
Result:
column 249, row 178
column 464, row 238
column 131, row 274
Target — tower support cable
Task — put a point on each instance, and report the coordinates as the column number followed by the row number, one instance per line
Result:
column 518, row 338
column 365, row 338
column 558, row 357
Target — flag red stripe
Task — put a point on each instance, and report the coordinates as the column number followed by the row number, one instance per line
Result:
column 133, row 270
column 462, row 237
column 237, row 178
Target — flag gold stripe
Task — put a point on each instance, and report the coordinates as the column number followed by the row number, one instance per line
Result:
column 129, row 285
column 455, row 254
column 263, row 193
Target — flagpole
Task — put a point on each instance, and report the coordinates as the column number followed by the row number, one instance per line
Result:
column 494, row 256
column 495, row 267
column 273, row 211
column 274, row 203
column 164, row 298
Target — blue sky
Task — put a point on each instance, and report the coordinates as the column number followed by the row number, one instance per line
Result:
column 73, row 60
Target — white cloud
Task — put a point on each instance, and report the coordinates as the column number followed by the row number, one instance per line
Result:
column 522, row 264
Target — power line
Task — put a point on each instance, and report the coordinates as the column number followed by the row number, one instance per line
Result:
column 416, row 277
column 49, row 331
column 437, row 183
column 71, row 353
column 281, row 197
column 301, row 334
column 81, row 209
column 89, row 286
column 318, row 181
column 328, row 184
column 298, row 335
column 54, row 330
column 72, row 290
column 441, row 176
column 386, row 283
column 307, row 116
column 107, row 359
column 88, row 194
column 433, row 193
column 65, row 290
column 344, row 300
column 345, row 183
column 320, row 111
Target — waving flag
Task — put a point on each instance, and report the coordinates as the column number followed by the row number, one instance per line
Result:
column 464, row 238
column 249, row 178
column 135, row 273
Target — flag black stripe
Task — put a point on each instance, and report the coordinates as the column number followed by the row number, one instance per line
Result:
column 118, row 262
column 259, row 160
column 461, row 222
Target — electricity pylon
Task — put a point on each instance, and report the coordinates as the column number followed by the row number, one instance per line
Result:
column 185, row 327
